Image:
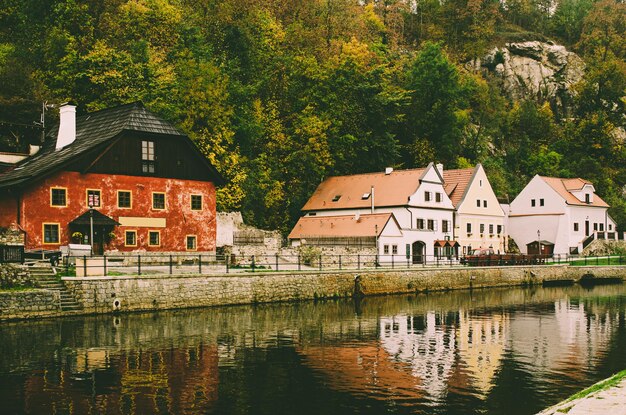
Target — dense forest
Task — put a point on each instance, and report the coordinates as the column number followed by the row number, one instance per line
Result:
column 281, row 94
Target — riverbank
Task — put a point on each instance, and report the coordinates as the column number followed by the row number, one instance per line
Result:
column 99, row 295
column 605, row 397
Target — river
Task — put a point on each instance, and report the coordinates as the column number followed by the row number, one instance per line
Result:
column 497, row 351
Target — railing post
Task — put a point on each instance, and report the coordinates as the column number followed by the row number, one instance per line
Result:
column 339, row 262
column 358, row 261
column 104, row 259
column 200, row 263
column 299, row 263
column 276, row 261
column 67, row 265
column 320, row 262
column 84, row 265
column 227, row 259
column 171, row 265
column 253, row 264
column 138, row 264
column 392, row 260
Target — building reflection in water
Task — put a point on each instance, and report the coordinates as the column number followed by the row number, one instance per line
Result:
column 94, row 381
column 414, row 351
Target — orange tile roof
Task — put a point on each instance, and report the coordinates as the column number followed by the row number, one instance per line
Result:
column 340, row 226
column 456, row 183
column 564, row 187
column 389, row 190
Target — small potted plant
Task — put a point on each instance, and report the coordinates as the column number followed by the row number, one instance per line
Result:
column 77, row 237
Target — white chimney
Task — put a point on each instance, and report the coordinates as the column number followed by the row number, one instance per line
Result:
column 388, row 170
column 67, row 126
column 440, row 168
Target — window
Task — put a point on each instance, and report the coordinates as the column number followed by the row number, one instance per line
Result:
column 431, row 225
column 336, row 198
column 427, row 196
column 482, row 228
column 196, row 202
column 124, row 199
column 93, row 198
column 601, row 227
column 158, row 201
column 154, row 238
column 420, row 224
column 499, row 228
column 394, row 249
column 575, row 226
column 130, row 238
column 490, row 229
column 541, row 202
column 595, row 226
column 587, row 198
column 484, row 203
column 191, row 242
column 444, row 226
column 610, row 227
column 469, row 228
column 532, row 202
column 58, row 197
column 385, row 249
column 480, row 183
column 51, row 233
column 477, row 203
column 147, row 157
column 438, row 197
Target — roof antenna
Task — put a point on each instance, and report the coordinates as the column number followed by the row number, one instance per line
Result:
column 42, row 118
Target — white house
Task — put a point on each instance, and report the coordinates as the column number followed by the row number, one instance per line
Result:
column 417, row 199
column 479, row 219
column 560, row 216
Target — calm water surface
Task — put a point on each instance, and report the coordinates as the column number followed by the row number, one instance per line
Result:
column 511, row 351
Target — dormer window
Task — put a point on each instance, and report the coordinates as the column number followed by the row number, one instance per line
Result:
column 365, row 196
column 587, row 198
column 336, row 198
column 438, row 197
column 147, row 157
column 427, row 196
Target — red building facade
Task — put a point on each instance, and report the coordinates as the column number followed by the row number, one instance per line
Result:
column 144, row 186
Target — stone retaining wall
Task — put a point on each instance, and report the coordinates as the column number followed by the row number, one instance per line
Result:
column 108, row 294
column 29, row 304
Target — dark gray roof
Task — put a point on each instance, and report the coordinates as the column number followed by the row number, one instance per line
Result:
column 92, row 130
column 98, row 219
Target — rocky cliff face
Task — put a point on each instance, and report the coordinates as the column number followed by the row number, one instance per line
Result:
column 535, row 70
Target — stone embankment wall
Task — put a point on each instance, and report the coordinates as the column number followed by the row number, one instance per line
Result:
column 29, row 304
column 108, row 294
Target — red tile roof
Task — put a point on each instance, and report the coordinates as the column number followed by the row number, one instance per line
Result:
column 456, row 183
column 564, row 187
column 340, row 226
column 389, row 189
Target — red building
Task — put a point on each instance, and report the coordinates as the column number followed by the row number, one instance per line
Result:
column 143, row 184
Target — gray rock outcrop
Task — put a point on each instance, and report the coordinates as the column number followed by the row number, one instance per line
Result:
column 536, row 70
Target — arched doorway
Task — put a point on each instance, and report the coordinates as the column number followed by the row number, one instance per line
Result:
column 419, row 252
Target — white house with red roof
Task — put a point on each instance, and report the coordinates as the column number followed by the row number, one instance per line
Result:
column 479, row 219
column 560, row 216
column 345, row 208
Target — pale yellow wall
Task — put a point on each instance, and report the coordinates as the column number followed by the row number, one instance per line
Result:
column 467, row 211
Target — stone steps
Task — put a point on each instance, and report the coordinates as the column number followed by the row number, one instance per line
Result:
column 46, row 279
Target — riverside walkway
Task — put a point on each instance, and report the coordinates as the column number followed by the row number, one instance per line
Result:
column 607, row 397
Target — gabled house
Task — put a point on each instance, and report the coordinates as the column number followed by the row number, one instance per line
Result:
column 142, row 184
column 560, row 216
column 479, row 221
column 416, row 198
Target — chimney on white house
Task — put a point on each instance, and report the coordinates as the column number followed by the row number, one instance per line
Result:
column 67, row 125
column 440, row 169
